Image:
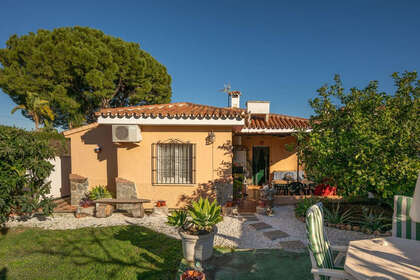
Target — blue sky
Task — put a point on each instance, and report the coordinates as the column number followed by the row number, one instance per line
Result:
column 281, row 51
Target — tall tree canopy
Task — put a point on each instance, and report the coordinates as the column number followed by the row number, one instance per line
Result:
column 79, row 70
column 364, row 140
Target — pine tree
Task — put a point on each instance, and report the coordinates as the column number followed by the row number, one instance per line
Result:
column 79, row 70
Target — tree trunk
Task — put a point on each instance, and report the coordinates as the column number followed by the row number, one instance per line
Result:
column 36, row 120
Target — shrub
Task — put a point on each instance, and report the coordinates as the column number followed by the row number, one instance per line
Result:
column 99, row 192
column 199, row 218
column 24, row 168
column 365, row 140
column 303, row 205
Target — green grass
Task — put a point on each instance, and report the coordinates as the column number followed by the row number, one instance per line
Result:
column 120, row 252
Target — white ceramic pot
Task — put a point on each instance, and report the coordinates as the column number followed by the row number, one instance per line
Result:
column 197, row 247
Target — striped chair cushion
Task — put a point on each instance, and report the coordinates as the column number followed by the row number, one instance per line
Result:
column 317, row 239
column 402, row 225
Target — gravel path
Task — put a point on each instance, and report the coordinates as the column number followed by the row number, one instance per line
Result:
column 232, row 232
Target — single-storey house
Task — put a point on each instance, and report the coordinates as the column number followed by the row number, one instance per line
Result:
column 178, row 151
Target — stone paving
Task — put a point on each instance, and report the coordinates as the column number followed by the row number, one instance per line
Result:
column 283, row 230
column 260, row 226
column 250, row 219
column 275, row 234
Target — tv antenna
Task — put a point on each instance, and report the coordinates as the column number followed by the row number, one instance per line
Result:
column 226, row 89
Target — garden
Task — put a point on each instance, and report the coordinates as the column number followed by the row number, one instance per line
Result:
column 370, row 216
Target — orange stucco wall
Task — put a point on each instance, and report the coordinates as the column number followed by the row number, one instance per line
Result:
column 280, row 158
column 99, row 168
column 132, row 161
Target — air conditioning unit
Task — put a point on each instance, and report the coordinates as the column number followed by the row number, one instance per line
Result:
column 126, row 133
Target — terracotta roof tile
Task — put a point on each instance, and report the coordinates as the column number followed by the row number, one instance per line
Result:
column 276, row 121
column 190, row 110
column 174, row 110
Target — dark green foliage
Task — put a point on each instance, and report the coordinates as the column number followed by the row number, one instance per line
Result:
column 303, row 205
column 24, row 167
column 78, row 70
column 99, row 192
column 365, row 141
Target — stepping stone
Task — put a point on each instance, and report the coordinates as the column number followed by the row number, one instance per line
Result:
column 294, row 245
column 275, row 234
column 246, row 215
column 260, row 226
column 250, row 219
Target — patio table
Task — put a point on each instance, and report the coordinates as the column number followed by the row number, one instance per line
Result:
column 383, row 259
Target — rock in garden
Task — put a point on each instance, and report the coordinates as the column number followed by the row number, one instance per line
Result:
column 104, row 210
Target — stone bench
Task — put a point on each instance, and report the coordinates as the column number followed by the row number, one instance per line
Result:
column 137, row 212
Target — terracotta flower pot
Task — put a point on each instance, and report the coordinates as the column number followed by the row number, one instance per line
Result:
column 161, row 203
column 356, row 228
column 193, row 275
column 348, row 227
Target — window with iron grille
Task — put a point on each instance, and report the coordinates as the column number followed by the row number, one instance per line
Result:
column 173, row 163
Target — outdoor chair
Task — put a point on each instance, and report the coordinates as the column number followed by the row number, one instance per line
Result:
column 324, row 265
column 402, row 225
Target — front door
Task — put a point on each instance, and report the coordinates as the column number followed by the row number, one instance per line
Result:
column 260, row 165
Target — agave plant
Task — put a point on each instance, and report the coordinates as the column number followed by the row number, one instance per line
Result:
column 201, row 217
column 178, row 219
column 374, row 221
column 335, row 216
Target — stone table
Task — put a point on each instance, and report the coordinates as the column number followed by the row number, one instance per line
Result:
column 383, row 258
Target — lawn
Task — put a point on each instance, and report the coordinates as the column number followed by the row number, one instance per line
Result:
column 129, row 252
column 120, row 252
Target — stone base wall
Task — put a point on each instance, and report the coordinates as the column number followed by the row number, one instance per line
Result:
column 224, row 192
column 79, row 186
column 125, row 189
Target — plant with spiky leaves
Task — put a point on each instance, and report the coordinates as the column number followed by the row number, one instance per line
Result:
column 199, row 218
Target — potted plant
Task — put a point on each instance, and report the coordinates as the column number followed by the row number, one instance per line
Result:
column 197, row 227
column 193, row 275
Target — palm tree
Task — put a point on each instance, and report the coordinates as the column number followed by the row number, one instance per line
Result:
column 38, row 109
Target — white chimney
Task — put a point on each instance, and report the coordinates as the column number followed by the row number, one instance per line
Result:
column 258, row 107
column 235, row 99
